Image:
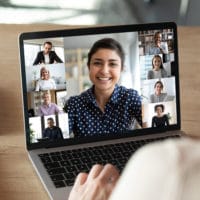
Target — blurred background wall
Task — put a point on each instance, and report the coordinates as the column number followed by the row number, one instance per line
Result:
column 91, row 12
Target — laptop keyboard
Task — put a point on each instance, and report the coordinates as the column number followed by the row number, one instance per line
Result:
column 64, row 166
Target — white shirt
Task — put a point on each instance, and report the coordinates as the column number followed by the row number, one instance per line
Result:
column 45, row 85
column 46, row 58
column 167, row 170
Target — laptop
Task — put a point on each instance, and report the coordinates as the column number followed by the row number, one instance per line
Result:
column 58, row 157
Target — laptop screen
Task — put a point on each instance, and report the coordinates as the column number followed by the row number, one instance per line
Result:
column 99, row 83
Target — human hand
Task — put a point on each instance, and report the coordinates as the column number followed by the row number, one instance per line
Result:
column 158, row 44
column 97, row 185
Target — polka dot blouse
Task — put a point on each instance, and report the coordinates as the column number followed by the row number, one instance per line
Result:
column 121, row 111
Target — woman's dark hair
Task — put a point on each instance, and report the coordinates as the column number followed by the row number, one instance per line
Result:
column 157, row 56
column 48, row 42
column 159, row 105
column 50, row 119
column 107, row 43
column 158, row 82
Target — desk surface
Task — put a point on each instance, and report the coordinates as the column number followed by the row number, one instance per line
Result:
column 18, row 179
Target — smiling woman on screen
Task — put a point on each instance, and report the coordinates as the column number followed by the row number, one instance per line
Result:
column 106, row 107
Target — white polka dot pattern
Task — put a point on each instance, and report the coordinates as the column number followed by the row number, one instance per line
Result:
column 86, row 118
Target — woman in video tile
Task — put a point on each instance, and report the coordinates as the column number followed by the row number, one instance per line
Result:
column 160, row 120
column 157, row 70
column 45, row 82
column 158, row 95
column 105, row 108
column 47, row 56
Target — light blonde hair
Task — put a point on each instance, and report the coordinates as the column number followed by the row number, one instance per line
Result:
column 42, row 69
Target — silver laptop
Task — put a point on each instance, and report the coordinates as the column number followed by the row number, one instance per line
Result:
column 60, row 155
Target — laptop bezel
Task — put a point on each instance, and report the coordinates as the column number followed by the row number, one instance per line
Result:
column 91, row 31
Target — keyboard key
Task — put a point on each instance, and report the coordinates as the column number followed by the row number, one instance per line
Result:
column 70, row 169
column 69, row 182
column 58, row 170
column 58, row 177
column 51, row 165
column 69, row 175
column 56, row 158
column 46, row 159
column 59, row 184
column 65, row 163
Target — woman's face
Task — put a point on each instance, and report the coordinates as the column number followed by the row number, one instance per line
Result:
column 156, row 63
column 47, row 48
column 158, row 89
column 45, row 74
column 159, row 111
column 105, row 69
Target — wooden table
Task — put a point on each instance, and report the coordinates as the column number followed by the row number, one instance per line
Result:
column 18, row 179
